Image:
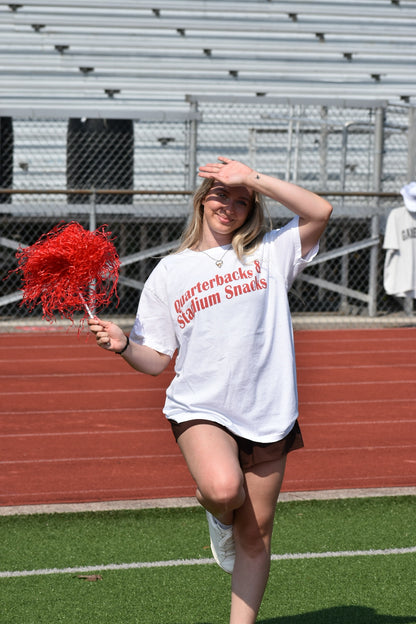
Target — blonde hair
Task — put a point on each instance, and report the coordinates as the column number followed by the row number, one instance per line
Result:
column 245, row 239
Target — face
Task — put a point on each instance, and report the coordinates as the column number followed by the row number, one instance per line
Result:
column 226, row 209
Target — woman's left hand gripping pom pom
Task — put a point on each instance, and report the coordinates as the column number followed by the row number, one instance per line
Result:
column 108, row 335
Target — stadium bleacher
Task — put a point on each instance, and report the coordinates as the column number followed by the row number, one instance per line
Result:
column 130, row 53
column 319, row 92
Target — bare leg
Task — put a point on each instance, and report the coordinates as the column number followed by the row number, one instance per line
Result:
column 248, row 501
column 212, row 458
column 253, row 526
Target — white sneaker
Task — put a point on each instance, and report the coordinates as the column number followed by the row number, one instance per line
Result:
column 222, row 544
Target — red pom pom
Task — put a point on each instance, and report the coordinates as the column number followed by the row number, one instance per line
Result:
column 67, row 267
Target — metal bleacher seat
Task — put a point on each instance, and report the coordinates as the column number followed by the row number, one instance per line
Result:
column 133, row 53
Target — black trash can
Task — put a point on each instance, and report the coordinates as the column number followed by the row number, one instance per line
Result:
column 6, row 158
column 100, row 155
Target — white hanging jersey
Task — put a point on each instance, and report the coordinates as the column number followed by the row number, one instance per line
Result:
column 400, row 261
column 232, row 328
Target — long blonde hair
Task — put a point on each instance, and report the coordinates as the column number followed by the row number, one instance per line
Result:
column 245, row 239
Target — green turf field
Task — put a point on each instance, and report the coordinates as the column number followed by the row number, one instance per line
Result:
column 361, row 566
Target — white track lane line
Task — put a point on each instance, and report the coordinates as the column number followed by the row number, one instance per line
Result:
column 187, row 562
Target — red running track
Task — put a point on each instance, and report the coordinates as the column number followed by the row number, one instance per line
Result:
column 77, row 424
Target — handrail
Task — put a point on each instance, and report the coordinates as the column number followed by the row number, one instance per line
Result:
column 175, row 192
column 91, row 192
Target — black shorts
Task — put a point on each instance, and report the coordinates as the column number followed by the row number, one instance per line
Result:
column 250, row 453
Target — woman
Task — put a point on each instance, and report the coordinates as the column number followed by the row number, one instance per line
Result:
column 221, row 302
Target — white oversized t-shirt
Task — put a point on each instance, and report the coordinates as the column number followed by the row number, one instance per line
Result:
column 400, row 261
column 232, row 328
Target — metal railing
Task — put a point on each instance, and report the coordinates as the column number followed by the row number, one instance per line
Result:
column 331, row 285
column 137, row 178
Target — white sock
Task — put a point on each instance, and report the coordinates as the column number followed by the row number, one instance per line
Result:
column 220, row 524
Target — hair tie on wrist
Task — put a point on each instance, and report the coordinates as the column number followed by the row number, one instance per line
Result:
column 124, row 348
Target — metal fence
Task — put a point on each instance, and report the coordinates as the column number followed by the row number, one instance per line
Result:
column 136, row 172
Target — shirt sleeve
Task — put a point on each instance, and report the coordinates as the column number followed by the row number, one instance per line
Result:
column 391, row 236
column 287, row 251
column 153, row 326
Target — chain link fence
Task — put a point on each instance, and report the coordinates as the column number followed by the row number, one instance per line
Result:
column 136, row 174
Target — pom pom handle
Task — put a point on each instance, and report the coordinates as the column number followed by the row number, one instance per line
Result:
column 86, row 306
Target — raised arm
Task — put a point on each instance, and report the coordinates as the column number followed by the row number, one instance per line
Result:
column 313, row 210
column 111, row 337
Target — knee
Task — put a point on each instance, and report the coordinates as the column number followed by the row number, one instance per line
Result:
column 254, row 538
column 225, row 493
